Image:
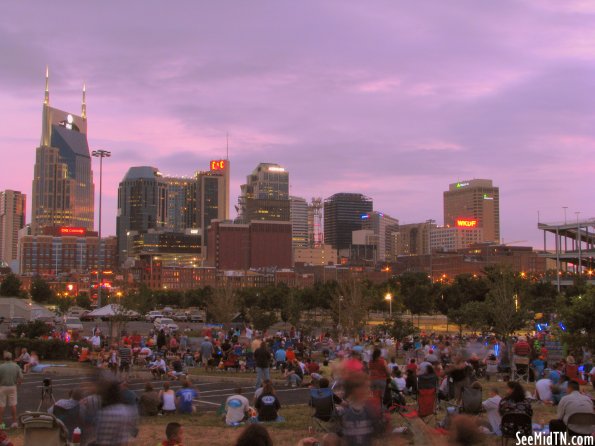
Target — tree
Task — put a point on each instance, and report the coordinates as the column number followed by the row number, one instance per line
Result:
column 349, row 307
column 475, row 316
column 399, row 328
column 41, row 291
column 11, row 286
column 261, row 319
column 83, row 300
column 291, row 310
column 33, row 329
column 579, row 320
column 223, row 305
column 141, row 301
column 418, row 293
column 506, row 310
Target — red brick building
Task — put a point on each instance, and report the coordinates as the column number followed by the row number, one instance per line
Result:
column 258, row 244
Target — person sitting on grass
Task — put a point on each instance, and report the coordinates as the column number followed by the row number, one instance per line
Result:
column 294, row 374
column 237, row 408
column 158, row 368
column 185, row 397
column 514, row 402
column 177, row 369
column 149, row 402
column 268, row 404
column 168, row 399
column 173, row 435
column 33, row 362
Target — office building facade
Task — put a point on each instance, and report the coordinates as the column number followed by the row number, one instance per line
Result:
column 451, row 239
column 384, row 227
column 343, row 215
column 299, row 222
column 258, row 244
column 474, row 200
column 12, row 220
column 63, row 189
column 413, row 239
column 265, row 195
column 142, row 205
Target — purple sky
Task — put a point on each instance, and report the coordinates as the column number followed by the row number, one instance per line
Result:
column 393, row 99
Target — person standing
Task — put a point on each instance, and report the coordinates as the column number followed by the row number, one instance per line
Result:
column 262, row 358
column 10, row 377
column 116, row 422
column 206, row 352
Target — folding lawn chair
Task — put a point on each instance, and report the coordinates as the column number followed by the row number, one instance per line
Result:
column 324, row 417
column 42, row 428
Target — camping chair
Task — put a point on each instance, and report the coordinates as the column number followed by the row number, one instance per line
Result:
column 43, row 428
column 581, row 424
column 471, row 400
column 520, row 369
column 515, row 422
column 324, row 418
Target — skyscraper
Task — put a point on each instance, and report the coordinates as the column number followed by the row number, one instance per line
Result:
column 212, row 195
column 12, row 219
column 299, row 222
column 343, row 215
column 474, row 203
column 384, row 227
column 63, row 189
column 142, row 205
column 265, row 196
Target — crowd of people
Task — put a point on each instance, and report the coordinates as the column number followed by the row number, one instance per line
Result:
column 367, row 378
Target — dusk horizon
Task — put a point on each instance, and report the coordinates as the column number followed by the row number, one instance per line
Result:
column 393, row 102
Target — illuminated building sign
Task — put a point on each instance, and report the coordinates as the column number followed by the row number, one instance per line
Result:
column 276, row 169
column 461, row 223
column 218, row 164
column 465, row 184
column 67, row 230
column 487, row 197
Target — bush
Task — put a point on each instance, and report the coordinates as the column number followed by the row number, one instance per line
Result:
column 46, row 349
column 33, row 329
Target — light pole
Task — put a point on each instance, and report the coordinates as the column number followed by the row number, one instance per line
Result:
column 389, row 297
column 100, row 154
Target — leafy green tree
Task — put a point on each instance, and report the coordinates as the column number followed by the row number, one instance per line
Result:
column 506, row 309
column 41, row 291
column 463, row 289
column 399, row 328
column 263, row 320
column 83, row 300
column 476, row 316
column 541, row 297
column 33, row 329
column 142, row 301
column 11, row 286
column 579, row 320
column 224, row 305
column 418, row 293
column 291, row 310
column 349, row 306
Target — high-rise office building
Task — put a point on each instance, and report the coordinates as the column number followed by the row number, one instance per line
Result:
column 343, row 215
column 142, row 205
column 315, row 231
column 265, row 196
column 212, row 195
column 384, row 227
column 299, row 222
column 413, row 239
column 12, row 219
column 63, row 189
column 178, row 206
column 475, row 201
column 451, row 239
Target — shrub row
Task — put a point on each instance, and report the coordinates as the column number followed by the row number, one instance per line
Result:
column 46, row 349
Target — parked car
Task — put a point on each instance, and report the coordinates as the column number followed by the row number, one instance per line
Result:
column 14, row 322
column 165, row 323
column 181, row 317
column 196, row 317
column 73, row 323
column 152, row 315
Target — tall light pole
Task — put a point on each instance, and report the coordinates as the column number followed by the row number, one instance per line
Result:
column 389, row 297
column 100, row 154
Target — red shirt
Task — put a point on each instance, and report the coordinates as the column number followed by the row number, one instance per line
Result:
column 377, row 369
column 522, row 348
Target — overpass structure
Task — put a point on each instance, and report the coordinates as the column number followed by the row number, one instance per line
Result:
column 573, row 247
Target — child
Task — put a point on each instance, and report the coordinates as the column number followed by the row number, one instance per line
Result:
column 173, row 434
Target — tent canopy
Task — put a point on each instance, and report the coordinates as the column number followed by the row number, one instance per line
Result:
column 112, row 310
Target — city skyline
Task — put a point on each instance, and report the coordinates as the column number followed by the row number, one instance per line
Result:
column 393, row 110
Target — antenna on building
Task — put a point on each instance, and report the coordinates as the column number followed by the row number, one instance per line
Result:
column 84, row 104
column 46, row 99
column 227, row 147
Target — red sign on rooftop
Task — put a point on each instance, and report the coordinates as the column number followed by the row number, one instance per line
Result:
column 69, row 230
column 218, row 164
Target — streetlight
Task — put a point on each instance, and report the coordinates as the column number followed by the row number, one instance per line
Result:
column 389, row 297
column 100, row 154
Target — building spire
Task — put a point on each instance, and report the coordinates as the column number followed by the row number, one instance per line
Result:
column 84, row 104
column 46, row 99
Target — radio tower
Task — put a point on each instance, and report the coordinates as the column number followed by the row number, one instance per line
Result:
column 315, row 233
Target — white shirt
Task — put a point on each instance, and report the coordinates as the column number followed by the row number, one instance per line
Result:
column 491, row 407
column 544, row 389
column 236, row 407
column 96, row 341
column 249, row 333
column 400, row 383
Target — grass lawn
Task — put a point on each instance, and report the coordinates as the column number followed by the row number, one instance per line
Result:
column 207, row 428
